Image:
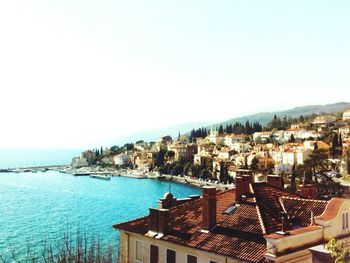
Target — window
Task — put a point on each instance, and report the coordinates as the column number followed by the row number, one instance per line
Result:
column 154, row 254
column 345, row 220
column 170, row 256
column 139, row 251
column 191, row 259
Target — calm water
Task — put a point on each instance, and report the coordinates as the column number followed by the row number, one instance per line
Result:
column 34, row 206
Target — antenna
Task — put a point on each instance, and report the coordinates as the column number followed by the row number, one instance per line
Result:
column 169, row 188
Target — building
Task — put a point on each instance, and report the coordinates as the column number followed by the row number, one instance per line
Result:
column 215, row 137
column 183, row 151
column 240, row 147
column 78, row 162
column 295, row 156
column 256, row 222
column 346, row 115
column 324, row 119
column 344, row 131
column 121, row 159
column 231, row 139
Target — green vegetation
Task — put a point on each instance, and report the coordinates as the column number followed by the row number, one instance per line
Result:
column 71, row 248
column 339, row 252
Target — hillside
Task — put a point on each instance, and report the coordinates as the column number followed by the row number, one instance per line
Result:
column 262, row 117
column 265, row 117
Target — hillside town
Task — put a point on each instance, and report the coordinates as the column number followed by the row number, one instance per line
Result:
column 287, row 205
column 311, row 149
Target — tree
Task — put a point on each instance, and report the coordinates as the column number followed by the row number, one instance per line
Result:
column 292, row 138
column 221, row 130
column 339, row 252
column 335, row 144
column 169, row 155
column 254, row 166
column 114, row 148
column 293, row 179
column 340, row 143
column 204, row 174
column 159, row 158
column 316, row 163
column 223, row 173
column 248, row 128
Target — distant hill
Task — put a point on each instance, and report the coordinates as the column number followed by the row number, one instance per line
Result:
column 265, row 117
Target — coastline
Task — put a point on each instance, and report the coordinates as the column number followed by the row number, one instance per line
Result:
column 135, row 174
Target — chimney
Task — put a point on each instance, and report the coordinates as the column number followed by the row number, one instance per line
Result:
column 209, row 208
column 167, row 201
column 159, row 221
column 153, row 220
column 308, row 191
column 242, row 186
column 163, row 227
column 275, row 180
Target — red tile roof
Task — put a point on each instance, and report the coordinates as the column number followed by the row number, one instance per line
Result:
column 267, row 197
column 239, row 234
column 299, row 210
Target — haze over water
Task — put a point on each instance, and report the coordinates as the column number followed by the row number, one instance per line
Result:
column 35, row 206
column 14, row 158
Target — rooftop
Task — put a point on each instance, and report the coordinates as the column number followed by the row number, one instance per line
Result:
column 240, row 233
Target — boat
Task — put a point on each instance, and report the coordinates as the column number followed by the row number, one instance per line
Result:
column 161, row 177
column 101, row 177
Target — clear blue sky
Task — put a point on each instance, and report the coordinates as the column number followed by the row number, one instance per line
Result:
column 79, row 73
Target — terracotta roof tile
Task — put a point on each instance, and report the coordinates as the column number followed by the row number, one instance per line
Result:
column 267, row 197
column 240, row 234
column 299, row 210
column 237, row 235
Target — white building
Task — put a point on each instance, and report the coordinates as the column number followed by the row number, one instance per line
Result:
column 295, row 156
column 121, row 159
column 231, row 139
column 346, row 115
column 263, row 136
column 324, row 119
column 240, row 147
column 344, row 131
column 215, row 138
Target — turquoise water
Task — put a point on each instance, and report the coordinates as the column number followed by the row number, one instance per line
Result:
column 38, row 206
column 14, row 158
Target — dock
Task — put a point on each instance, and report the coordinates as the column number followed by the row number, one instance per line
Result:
column 101, row 177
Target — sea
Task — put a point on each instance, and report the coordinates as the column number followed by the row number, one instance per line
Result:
column 40, row 207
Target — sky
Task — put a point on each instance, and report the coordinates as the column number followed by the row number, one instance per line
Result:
column 81, row 73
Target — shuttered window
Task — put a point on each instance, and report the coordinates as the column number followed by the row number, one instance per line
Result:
column 154, row 254
column 191, row 259
column 170, row 256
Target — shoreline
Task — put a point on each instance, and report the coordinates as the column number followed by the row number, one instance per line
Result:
column 178, row 179
column 135, row 174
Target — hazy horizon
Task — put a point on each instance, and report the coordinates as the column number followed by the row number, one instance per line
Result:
column 79, row 74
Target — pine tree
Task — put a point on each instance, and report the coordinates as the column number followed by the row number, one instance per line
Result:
column 340, row 144
column 221, row 130
column 335, row 143
column 292, row 139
